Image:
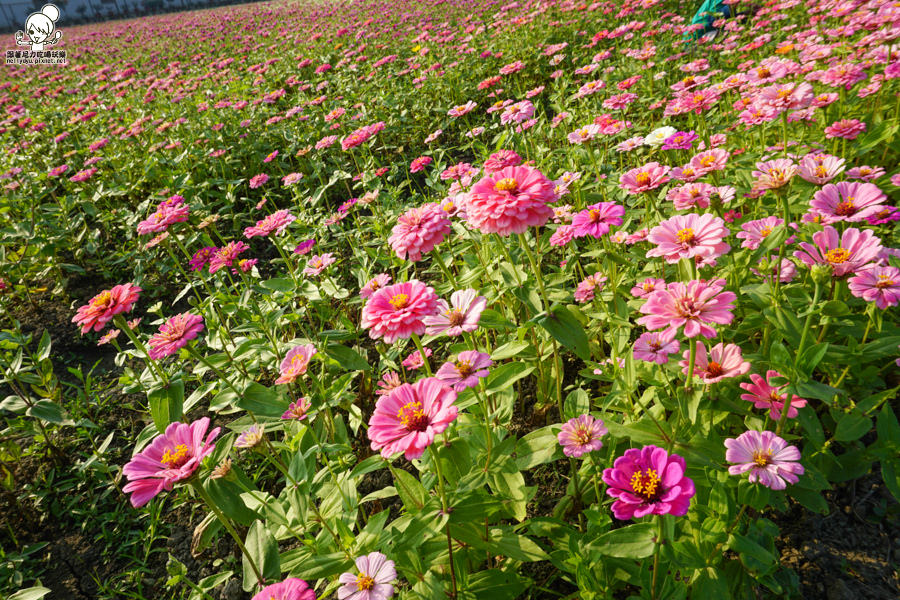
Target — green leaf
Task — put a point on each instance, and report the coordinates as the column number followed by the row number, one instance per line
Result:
column 566, row 330
column 410, row 490
column 32, row 593
column 280, row 284
column 348, row 358
column 508, row 350
column 890, row 473
column 577, row 403
column 505, row 375
column 373, row 463
column 811, row 357
column 515, row 546
column 753, row 556
column 315, row 566
column 46, row 410
column 811, row 499
column 166, row 404
column 710, row 583
column 261, row 400
column 852, row 426
column 632, row 541
column 835, row 308
column 537, row 448
column 261, row 545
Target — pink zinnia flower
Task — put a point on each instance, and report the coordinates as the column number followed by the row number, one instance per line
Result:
column 407, row 419
column 848, row 129
column 770, row 460
column 304, row 247
column 765, row 395
column 415, row 360
column 201, row 258
column 773, row 174
column 389, row 382
column 57, row 171
column 691, row 195
column 648, row 481
column 226, row 255
column 419, row 164
column 317, row 264
column 398, row 311
column 708, row 161
column 581, row 435
column 845, row 253
column 275, row 223
column 754, row 232
column 462, row 109
column 297, row 410
column 250, row 437
column 470, row 366
column 694, row 305
column 170, row 211
column 510, row 201
column 689, row 236
column 880, row 285
column 723, row 361
column 643, row 179
column 587, row 287
column 106, row 305
column 291, row 179
column 374, row 284
column 596, row 219
column 500, row 160
column 373, row 582
column 419, row 230
column 655, row 346
column 107, row 337
column 170, row 458
column 295, row 363
column 289, row 589
column 865, row 172
column 820, row 168
column 847, row 201
column 460, row 316
column 258, row 180
column 174, row 334
column 647, row 287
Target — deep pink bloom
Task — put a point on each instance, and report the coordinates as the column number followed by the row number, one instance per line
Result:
column 275, row 223
column 770, row 460
column 648, row 481
column 586, row 289
column 461, row 315
column 419, row 230
column 289, row 589
column 763, row 394
column 374, row 284
column 845, row 253
column 419, row 164
column 848, row 129
column 689, row 236
column 682, row 140
column 201, row 258
column 372, row 582
column 415, row 360
column 581, row 435
column 407, row 419
column 647, row 287
column 170, row 211
column 295, row 363
column 226, row 255
column 258, row 180
column 656, row 346
column 722, row 362
column 297, row 410
column 398, row 311
column 174, row 334
column 500, row 160
column 643, row 179
column 694, row 304
column 596, row 219
column 170, row 458
column 847, row 201
column 510, row 201
column 470, row 366
column 106, row 305
column 880, row 285
column 304, row 247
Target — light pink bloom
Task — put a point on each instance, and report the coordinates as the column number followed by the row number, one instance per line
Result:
column 398, row 311
column 754, row 232
column 295, row 363
column 415, row 360
column 877, row 284
column 820, row 168
column 469, row 367
column 722, row 362
column 770, row 460
column 645, row 178
column 297, row 410
column 691, row 195
column 865, row 172
column 764, row 394
column 584, row 134
column 170, row 458
column 170, row 211
column 581, row 435
column 689, row 236
column 847, row 201
column 647, row 287
column 275, row 223
column 773, row 174
column 374, row 284
column 655, row 346
column 510, row 201
column 419, row 230
column 845, row 253
column 372, row 582
column 694, row 305
column 462, row 109
column 848, row 129
column 174, row 334
column 317, row 264
column 407, row 419
column 500, row 160
column 708, row 161
column 258, row 180
column 460, row 316
column 586, row 289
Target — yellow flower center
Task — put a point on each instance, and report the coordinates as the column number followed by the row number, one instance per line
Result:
column 583, row 436
column 837, row 256
column 821, row 171
column 102, row 299
column 412, row 417
column 762, row 458
column 643, row 178
column 175, row 459
column 507, row 184
column 364, row 582
column 706, row 161
column 884, row 281
column 845, row 208
column 763, row 72
column 764, row 232
column 686, row 236
column 399, row 301
column 464, row 367
column 645, row 483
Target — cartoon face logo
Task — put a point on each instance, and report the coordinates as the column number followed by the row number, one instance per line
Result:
column 41, row 29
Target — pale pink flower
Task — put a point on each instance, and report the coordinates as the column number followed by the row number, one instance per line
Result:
column 581, row 435
column 845, row 253
column 770, row 460
column 754, row 232
column 694, row 304
column 656, row 346
column 722, row 362
column 464, row 373
column 689, row 236
column 848, row 201
column 877, row 284
column 295, row 363
column 461, row 315
column 645, row 178
column 317, row 264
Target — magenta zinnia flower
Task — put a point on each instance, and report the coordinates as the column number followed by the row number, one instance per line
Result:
column 770, row 460
column 656, row 346
column 407, row 419
column 106, row 305
column 170, row 458
column 170, row 211
column 289, row 589
column 847, row 201
column 596, row 219
column 258, row 180
column 723, row 361
column 419, row 164
column 845, row 253
column 643, row 179
column 470, row 366
column 880, row 285
column 275, row 223
column 295, row 362
column 500, row 160
column 689, row 236
column 754, row 232
column 373, row 582
column 581, row 435
column 398, row 311
column 174, row 334
column 588, row 286
column 419, row 230
column 226, row 255
column 510, row 201
column 297, row 410
column 648, row 481
column 694, row 304
column 460, row 316
column 765, row 395
column 374, row 284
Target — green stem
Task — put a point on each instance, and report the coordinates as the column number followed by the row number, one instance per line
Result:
column 120, row 322
column 659, row 543
column 425, row 363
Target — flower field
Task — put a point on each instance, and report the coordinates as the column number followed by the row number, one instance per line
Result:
column 454, row 299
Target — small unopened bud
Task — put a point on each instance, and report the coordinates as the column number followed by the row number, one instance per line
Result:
column 821, row 274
